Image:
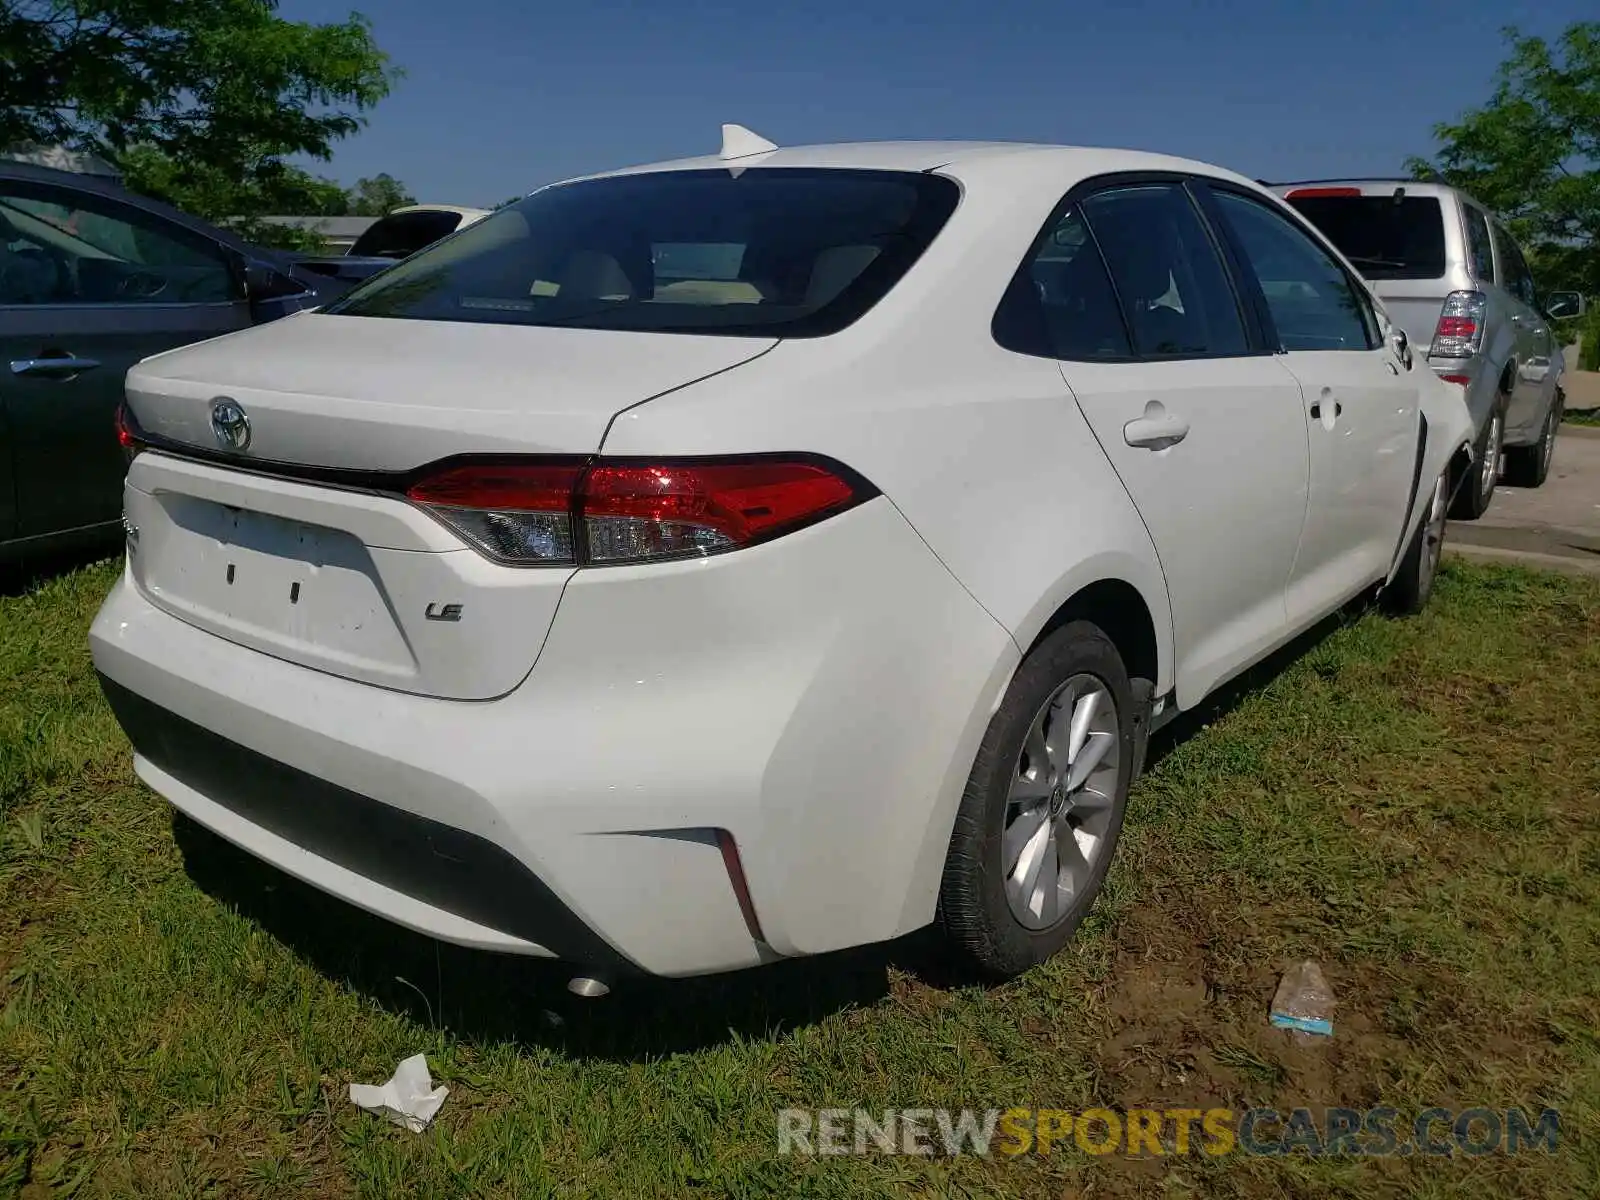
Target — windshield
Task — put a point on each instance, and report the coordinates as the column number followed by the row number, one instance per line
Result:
column 1384, row 237
column 764, row 251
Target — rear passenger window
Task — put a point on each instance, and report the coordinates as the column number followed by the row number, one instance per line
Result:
column 1060, row 305
column 1174, row 293
column 1518, row 279
column 1313, row 302
column 1479, row 246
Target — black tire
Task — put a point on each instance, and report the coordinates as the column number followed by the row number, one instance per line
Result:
column 1408, row 592
column 973, row 909
column 1529, row 466
column 1472, row 499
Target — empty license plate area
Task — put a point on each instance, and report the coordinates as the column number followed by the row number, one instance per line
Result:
column 358, row 584
column 299, row 590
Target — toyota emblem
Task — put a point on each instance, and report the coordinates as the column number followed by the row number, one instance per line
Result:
column 229, row 424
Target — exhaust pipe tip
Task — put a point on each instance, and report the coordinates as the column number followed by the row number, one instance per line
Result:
column 587, row 988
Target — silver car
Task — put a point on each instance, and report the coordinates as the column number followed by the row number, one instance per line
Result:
column 1456, row 282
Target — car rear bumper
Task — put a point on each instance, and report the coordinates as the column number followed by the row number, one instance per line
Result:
column 1526, row 410
column 819, row 698
column 1479, row 378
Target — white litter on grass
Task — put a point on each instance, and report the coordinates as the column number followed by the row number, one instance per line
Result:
column 409, row 1098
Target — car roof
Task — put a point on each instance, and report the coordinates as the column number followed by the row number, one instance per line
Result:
column 965, row 159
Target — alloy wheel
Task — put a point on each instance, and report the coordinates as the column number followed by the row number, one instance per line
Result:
column 1489, row 468
column 1059, row 807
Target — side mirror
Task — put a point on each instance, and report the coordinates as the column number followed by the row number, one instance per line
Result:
column 261, row 282
column 1564, row 304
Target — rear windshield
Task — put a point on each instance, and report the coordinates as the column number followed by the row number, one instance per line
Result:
column 402, row 234
column 1385, row 238
column 763, row 252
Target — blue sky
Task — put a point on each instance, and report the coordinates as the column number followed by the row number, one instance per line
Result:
column 501, row 96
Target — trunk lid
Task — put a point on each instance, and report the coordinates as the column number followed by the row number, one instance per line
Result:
column 377, row 394
column 359, row 582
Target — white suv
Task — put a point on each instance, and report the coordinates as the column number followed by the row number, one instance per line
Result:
column 755, row 556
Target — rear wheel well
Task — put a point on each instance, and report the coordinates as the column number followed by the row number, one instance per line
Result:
column 1506, row 377
column 1120, row 611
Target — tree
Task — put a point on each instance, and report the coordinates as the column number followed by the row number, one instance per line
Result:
column 198, row 103
column 1532, row 153
column 378, row 196
column 274, row 188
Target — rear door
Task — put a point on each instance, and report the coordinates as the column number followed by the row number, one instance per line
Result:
column 1203, row 427
column 1360, row 403
column 1503, row 341
column 90, row 286
column 1535, row 343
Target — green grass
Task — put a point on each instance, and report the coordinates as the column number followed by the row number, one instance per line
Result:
column 1411, row 803
column 1586, row 417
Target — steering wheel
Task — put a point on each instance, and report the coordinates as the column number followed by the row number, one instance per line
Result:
column 141, row 285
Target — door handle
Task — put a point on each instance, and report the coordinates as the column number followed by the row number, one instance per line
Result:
column 1157, row 429
column 53, row 368
column 1316, row 409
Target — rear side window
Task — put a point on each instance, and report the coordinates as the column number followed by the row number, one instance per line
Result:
column 400, row 235
column 1518, row 279
column 1061, row 304
column 792, row 252
column 1385, row 237
column 1314, row 304
column 1174, row 292
column 1478, row 245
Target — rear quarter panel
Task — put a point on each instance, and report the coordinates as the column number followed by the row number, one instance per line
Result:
column 994, row 469
column 983, row 450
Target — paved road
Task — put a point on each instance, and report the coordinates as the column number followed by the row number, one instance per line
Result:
column 1556, row 526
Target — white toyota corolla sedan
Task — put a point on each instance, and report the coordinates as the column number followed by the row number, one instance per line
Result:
column 753, row 556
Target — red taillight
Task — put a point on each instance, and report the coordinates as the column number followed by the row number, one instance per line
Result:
column 620, row 511
column 1459, row 332
column 522, row 487
column 515, row 512
column 1463, row 380
column 642, row 511
column 127, row 438
column 1307, row 193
